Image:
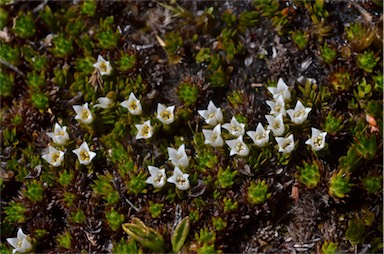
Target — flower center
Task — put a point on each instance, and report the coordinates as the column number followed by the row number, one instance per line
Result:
column 239, row 147
column 158, row 178
column 286, row 144
column 19, row 243
column 166, row 115
column 145, row 131
column 84, row 155
column 299, row 113
column 180, row 180
column 260, row 136
column 236, row 128
column 278, row 108
column 133, row 105
column 318, row 141
column 59, row 133
column 103, row 67
column 211, row 115
column 214, row 136
column 84, row 114
column 276, row 125
column 55, row 157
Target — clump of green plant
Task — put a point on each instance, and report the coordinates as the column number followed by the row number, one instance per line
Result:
column 24, row 25
column 367, row 61
column 310, row 174
column 359, row 36
column 258, row 192
column 301, row 39
column 328, row 53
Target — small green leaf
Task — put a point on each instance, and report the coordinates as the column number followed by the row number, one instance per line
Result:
column 180, row 234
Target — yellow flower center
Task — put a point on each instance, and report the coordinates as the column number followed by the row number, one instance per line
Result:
column 84, row 156
column 180, row 180
column 60, row 133
column 55, row 157
column 299, row 113
column 276, row 125
column 212, row 115
column 158, row 178
column 277, row 108
column 260, row 136
column 103, row 67
column 239, row 147
column 84, row 114
column 145, row 131
column 236, row 128
column 19, row 243
column 286, row 144
column 214, row 136
column 166, row 115
column 133, row 105
column 318, row 141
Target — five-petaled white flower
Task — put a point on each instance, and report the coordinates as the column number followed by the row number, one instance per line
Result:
column 281, row 89
column 105, row 102
column 178, row 157
column 21, row 243
column 299, row 114
column 145, row 130
column 212, row 115
column 317, row 140
column 54, row 156
column 103, row 66
column 234, row 127
column 133, row 105
column 59, row 135
column 165, row 114
column 179, row 179
column 276, row 124
column 213, row 137
column 84, row 155
column 83, row 113
column 278, row 106
column 260, row 137
column 286, row 145
column 157, row 178
column 238, row 146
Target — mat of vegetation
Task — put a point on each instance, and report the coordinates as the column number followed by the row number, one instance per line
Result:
column 191, row 126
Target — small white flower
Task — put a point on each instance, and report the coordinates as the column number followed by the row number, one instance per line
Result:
column 276, row 124
column 145, row 130
column 178, row 157
column 213, row 137
column 277, row 107
column 179, row 179
column 260, row 137
column 286, row 145
column 84, row 155
column 165, row 114
column 105, row 102
column 103, row 66
column 54, row 157
column 21, row 243
column 59, row 135
column 281, row 89
column 238, row 146
column 299, row 114
column 83, row 113
column 212, row 115
column 234, row 127
column 317, row 140
column 157, row 178
column 133, row 105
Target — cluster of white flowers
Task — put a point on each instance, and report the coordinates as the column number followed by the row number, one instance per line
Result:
column 260, row 137
column 179, row 160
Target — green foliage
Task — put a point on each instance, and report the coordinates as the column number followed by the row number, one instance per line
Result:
column 367, row 61
column 127, row 61
column 63, row 46
column 188, row 93
column 218, row 78
column 310, row 174
column 40, row 100
column 35, row 80
column 329, row 248
column 14, row 212
column 230, row 205
column 137, row 183
column 34, row 191
column 85, row 65
column 258, row 192
column 146, row 236
column 359, row 36
column 78, row 216
column 301, row 39
column 366, row 146
column 88, row 8
column 180, row 234
column 341, row 80
column 339, row 184
column 24, row 25
column 114, row 219
column 3, row 18
column 66, row 178
column 173, row 47
column 333, row 124
column 203, row 55
column 363, row 91
column 9, row 54
column 226, row 177
column 356, row 231
column 328, row 53
column 6, row 83
column 69, row 198
column 316, row 10
column 248, row 19
column 126, row 246
column 155, row 209
column 103, row 187
column 64, row 240
column 350, row 161
column 219, row 223
column 372, row 184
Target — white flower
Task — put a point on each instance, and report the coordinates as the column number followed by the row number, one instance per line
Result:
column 234, row 127
column 133, row 105
column 105, row 102
column 165, row 114
column 145, row 130
column 276, row 124
column 54, row 157
column 83, row 113
column 103, row 66
column 84, row 155
column 277, row 107
column 21, row 243
column 213, row 137
column 260, row 137
column 157, row 178
column 179, row 179
column 59, row 135
column 212, row 115
column 299, row 114
column 286, row 145
column 178, row 157
column 281, row 89
column 238, row 146
column 317, row 140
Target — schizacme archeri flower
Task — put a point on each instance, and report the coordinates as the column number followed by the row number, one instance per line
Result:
column 213, row 137
column 84, row 155
column 299, row 114
column 212, row 115
column 286, row 145
column 157, row 178
column 178, row 157
column 54, row 156
column 105, row 102
column 179, row 179
column 276, row 124
column 317, row 140
column 59, row 135
column 165, row 114
column 281, row 90
column 238, row 146
column 145, row 130
column 278, row 106
column 22, row 243
column 133, row 105
column 103, row 66
column 83, row 113
column 234, row 127
column 260, row 137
